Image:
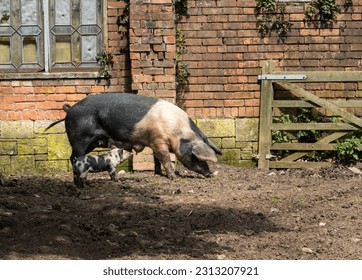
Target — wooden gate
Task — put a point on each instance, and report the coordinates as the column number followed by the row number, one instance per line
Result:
column 286, row 81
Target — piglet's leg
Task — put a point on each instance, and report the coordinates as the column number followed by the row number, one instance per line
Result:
column 112, row 174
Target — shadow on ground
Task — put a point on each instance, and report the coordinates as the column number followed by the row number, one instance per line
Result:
column 40, row 219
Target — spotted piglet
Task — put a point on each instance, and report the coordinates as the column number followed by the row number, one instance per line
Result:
column 107, row 162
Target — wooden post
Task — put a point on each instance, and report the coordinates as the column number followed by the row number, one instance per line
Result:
column 266, row 116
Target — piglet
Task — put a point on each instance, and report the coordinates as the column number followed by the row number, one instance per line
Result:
column 107, row 162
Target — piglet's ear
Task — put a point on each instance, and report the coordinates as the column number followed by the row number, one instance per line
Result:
column 203, row 152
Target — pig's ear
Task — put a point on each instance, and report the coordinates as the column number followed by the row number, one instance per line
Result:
column 203, row 152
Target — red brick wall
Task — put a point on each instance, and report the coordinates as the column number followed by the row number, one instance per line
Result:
column 225, row 52
column 152, row 48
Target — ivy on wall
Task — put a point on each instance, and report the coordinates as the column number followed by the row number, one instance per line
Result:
column 322, row 12
column 271, row 18
column 271, row 15
column 182, row 69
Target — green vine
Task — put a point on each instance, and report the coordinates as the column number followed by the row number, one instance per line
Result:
column 180, row 8
column 105, row 60
column 182, row 69
column 322, row 12
column 271, row 18
column 347, row 4
column 123, row 27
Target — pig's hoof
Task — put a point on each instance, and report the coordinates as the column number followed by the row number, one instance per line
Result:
column 172, row 176
column 73, row 190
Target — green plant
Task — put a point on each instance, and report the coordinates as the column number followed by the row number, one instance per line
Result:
column 280, row 136
column 182, row 69
column 4, row 18
column 322, row 12
column 123, row 26
column 264, row 11
column 304, row 115
column 347, row 151
column 280, row 25
column 265, row 5
column 271, row 17
column 180, row 8
column 105, row 60
column 347, row 4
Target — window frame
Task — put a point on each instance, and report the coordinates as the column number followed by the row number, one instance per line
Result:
column 48, row 72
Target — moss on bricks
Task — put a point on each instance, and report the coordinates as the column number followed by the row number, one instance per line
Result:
column 16, row 129
column 247, row 129
column 8, row 148
column 228, row 143
column 58, row 147
column 23, row 165
column 40, row 126
column 4, row 160
column 5, row 170
column 230, row 156
column 217, row 127
column 5, row 165
column 216, row 141
column 52, row 167
column 32, row 146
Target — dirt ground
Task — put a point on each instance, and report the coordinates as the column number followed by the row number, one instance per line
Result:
column 238, row 214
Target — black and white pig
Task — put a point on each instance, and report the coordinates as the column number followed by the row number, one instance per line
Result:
column 98, row 163
column 139, row 121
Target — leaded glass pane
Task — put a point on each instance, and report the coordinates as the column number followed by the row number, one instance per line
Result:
column 62, row 49
column 62, row 12
column 5, row 50
column 6, row 31
column 5, row 10
column 29, row 12
column 89, row 48
column 62, row 30
column 88, row 30
column 29, row 30
column 29, row 50
column 88, row 12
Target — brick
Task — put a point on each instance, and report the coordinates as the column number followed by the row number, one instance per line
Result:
column 65, row 89
column 23, row 164
column 140, row 48
column 14, row 98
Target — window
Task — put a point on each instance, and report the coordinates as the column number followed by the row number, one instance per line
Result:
column 50, row 35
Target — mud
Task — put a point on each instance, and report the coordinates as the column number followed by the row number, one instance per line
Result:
column 238, row 214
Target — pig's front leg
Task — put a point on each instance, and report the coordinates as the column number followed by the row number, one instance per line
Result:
column 164, row 158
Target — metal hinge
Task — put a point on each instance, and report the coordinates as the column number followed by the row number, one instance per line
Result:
column 282, row 77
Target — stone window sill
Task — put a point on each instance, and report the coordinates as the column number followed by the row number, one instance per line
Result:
column 49, row 76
